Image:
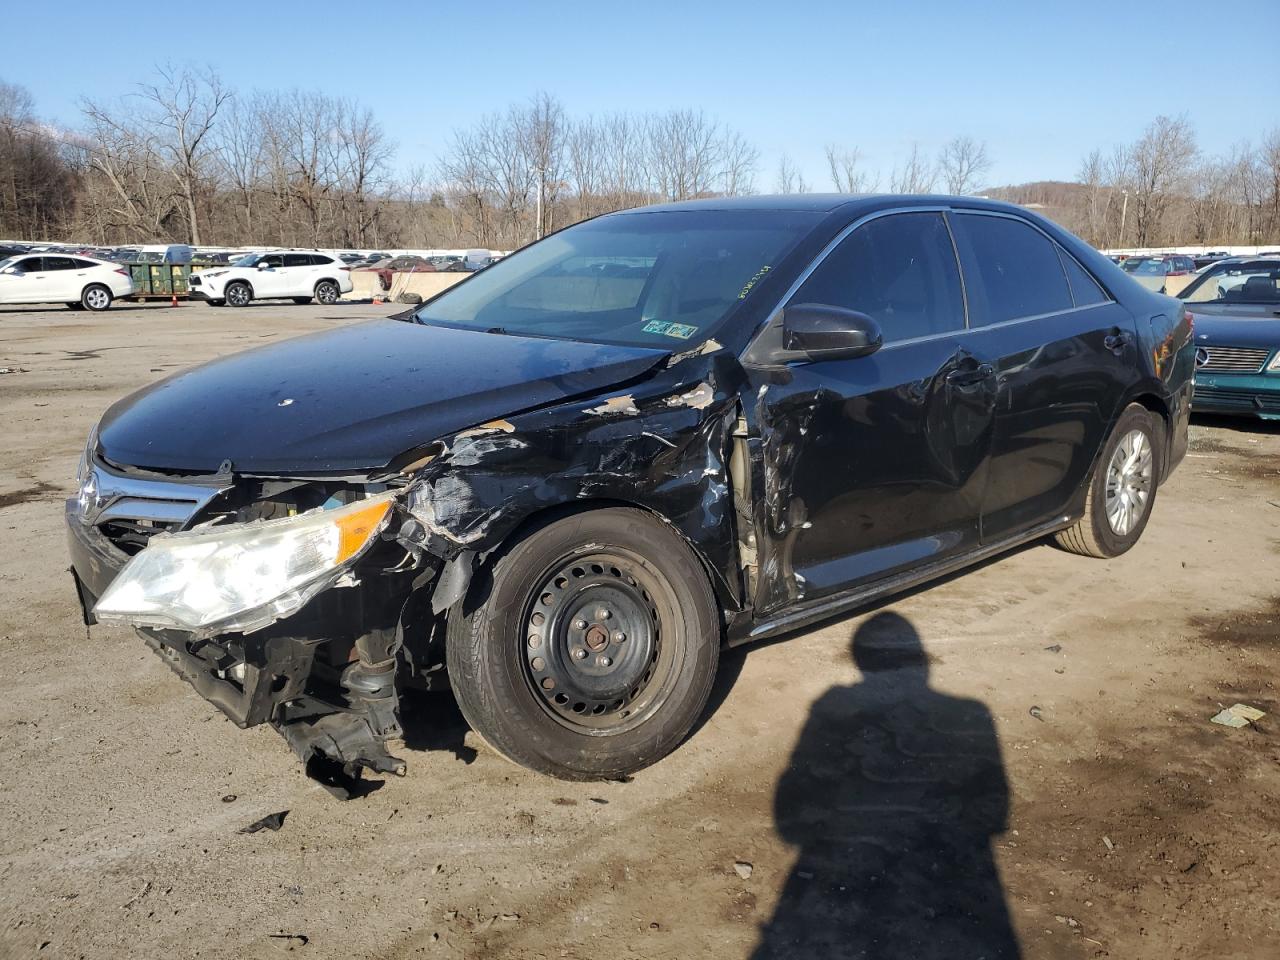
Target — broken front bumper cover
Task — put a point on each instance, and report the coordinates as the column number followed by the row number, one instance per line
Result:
column 268, row 679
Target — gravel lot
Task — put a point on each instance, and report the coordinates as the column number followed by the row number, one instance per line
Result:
column 1124, row 824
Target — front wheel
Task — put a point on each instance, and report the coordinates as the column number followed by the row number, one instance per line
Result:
column 591, row 648
column 96, row 297
column 1122, row 489
column 327, row 292
column 237, row 295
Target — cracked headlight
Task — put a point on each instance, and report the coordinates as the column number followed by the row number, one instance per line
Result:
column 241, row 577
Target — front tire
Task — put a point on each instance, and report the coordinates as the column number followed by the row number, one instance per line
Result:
column 589, row 649
column 327, row 292
column 95, row 297
column 237, row 294
column 1122, row 490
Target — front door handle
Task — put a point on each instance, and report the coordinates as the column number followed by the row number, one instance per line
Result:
column 969, row 376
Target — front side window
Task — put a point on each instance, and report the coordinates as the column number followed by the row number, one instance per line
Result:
column 1238, row 283
column 272, row 260
column 900, row 270
column 665, row 279
column 32, row 265
column 1018, row 267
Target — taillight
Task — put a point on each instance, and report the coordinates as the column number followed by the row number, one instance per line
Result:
column 122, row 271
column 348, row 269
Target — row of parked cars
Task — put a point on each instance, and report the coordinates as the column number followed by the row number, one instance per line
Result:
column 93, row 280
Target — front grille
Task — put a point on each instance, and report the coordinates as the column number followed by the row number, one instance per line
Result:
column 130, row 536
column 1232, row 359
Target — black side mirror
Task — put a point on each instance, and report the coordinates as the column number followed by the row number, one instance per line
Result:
column 823, row 332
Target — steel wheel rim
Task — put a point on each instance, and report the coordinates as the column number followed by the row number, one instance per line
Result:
column 97, row 299
column 325, row 293
column 581, row 674
column 237, row 295
column 1129, row 478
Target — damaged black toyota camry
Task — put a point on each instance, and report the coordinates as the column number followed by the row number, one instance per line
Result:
column 563, row 485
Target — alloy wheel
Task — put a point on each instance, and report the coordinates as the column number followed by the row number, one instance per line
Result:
column 1129, row 480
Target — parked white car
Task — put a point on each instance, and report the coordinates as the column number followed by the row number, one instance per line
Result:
column 300, row 276
column 79, row 282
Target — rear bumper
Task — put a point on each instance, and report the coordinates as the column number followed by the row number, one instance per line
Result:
column 1255, row 395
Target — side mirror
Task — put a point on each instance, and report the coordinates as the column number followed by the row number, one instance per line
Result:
column 823, row 332
column 263, row 265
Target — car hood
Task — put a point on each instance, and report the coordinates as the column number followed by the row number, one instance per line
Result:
column 352, row 399
column 1237, row 325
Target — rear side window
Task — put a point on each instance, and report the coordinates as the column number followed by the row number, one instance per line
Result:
column 59, row 263
column 1018, row 266
column 901, row 270
column 1084, row 289
column 297, row 260
column 83, row 264
column 320, row 260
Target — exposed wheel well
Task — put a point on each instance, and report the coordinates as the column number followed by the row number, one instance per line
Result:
column 1154, row 404
column 547, row 515
column 327, row 280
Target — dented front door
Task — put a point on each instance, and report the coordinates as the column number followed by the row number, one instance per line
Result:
column 872, row 465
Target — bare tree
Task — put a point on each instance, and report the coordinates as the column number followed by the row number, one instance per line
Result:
column 916, row 175
column 182, row 108
column 962, row 162
column 789, row 179
column 1161, row 161
column 846, row 174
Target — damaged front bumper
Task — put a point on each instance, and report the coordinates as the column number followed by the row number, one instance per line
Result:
column 325, row 677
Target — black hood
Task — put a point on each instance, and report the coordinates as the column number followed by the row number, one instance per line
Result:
column 351, row 399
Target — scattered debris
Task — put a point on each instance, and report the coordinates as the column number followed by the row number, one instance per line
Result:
column 1239, row 715
column 1054, row 648
column 743, row 869
column 1106, row 842
column 229, row 798
column 146, row 888
column 4, row 370
column 300, row 938
column 437, row 868
column 1036, row 712
column 272, row 821
column 598, row 800
column 510, row 917
column 564, row 802
column 1071, row 922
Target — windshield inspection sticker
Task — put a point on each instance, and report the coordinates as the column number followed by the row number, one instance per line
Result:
column 681, row 331
column 746, row 288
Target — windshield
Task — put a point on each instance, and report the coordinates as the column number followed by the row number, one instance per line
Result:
column 643, row 279
column 7, row 263
column 1236, row 283
column 1144, row 267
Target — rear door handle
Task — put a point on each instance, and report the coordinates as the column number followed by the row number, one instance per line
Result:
column 1116, row 342
column 970, row 375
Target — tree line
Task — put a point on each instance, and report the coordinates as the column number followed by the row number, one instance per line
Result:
column 185, row 158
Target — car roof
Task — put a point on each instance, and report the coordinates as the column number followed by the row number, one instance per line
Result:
column 827, row 203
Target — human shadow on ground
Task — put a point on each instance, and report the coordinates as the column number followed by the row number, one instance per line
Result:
column 893, row 796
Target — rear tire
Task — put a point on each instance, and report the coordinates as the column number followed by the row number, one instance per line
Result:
column 1122, row 489
column 587, row 650
column 96, row 297
column 327, row 292
column 237, row 294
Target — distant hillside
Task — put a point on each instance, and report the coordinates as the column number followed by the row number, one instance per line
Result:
column 1043, row 193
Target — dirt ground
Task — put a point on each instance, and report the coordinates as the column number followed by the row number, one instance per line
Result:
column 1021, row 763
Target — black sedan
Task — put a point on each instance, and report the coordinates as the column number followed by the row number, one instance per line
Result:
column 1235, row 307
column 569, row 480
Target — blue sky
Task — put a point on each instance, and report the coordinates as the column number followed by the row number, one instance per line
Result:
column 1041, row 83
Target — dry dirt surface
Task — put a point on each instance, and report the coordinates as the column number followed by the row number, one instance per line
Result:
column 1015, row 762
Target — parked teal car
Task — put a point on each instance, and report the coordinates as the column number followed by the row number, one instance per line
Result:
column 1236, row 309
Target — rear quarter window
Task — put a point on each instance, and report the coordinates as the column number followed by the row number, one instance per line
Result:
column 1018, row 267
column 1085, row 290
